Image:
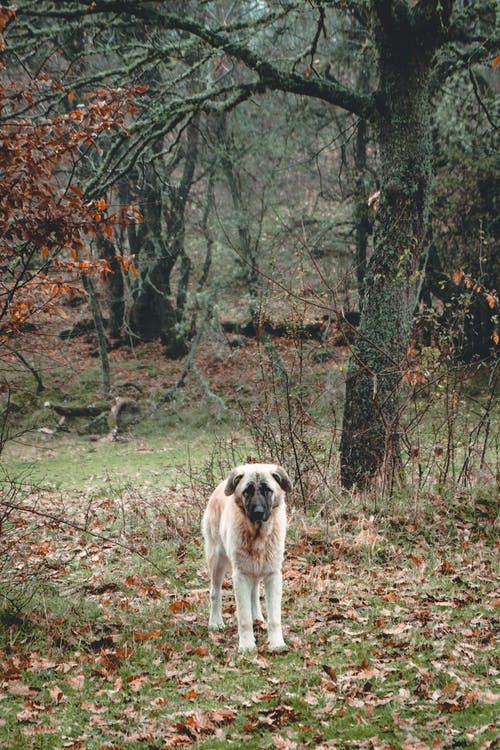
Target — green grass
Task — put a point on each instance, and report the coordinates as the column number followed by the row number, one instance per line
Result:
column 389, row 605
column 78, row 463
column 393, row 641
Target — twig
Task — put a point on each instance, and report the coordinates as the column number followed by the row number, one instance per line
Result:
column 83, row 529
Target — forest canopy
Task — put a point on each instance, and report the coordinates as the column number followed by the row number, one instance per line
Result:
column 339, row 154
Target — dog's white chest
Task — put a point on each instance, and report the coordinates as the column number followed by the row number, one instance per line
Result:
column 261, row 551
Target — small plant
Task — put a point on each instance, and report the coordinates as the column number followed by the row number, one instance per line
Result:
column 283, row 422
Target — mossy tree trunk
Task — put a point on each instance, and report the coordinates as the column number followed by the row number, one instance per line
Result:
column 156, row 312
column 246, row 247
column 371, row 428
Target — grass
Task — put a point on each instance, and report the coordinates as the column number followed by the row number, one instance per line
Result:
column 82, row 465
column 391, row 639
column 389, row 606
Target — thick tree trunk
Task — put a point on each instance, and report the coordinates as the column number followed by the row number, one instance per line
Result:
column 152, row 315
column 370, row 436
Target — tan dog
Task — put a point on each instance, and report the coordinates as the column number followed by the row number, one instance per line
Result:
column 244, row 528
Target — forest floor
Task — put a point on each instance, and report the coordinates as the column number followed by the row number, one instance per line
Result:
column 389, row 612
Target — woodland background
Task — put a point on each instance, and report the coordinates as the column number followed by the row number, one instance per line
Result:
column 238, row 231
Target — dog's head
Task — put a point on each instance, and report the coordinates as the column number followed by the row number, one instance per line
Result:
column 258, row 488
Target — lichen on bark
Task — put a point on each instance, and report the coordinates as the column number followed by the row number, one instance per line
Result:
column 371, row 432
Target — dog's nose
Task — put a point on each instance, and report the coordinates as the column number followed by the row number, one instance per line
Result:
column 258, row 513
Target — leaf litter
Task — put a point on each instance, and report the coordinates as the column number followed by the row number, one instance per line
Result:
column 392, row 643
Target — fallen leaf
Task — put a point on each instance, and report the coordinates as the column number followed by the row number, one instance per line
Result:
column 56, row 694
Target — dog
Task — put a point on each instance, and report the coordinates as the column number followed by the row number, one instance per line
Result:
column 244, row 527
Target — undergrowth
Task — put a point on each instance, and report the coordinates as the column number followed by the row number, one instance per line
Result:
column 389, row 620
column 390, row 595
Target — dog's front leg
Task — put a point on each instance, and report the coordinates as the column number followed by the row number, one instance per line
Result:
column 243, row 586
column 256, row 610
column 273, row 585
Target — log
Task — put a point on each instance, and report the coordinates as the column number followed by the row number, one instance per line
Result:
column 75, row 411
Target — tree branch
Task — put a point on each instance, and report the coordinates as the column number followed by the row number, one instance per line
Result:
column 224, row 39
column 272, row 77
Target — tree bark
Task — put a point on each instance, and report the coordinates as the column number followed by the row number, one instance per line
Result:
column 101, row 335
column 247, row 254
column 151, row 311
column 160, row 245
column 114, row 288
column 361, row 208
column 370, row 443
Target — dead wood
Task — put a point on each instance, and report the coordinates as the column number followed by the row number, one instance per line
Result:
column 75, row 411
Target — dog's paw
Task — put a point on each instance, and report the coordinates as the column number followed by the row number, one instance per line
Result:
column 247, row 648
column 216, row 625
column 278, row 646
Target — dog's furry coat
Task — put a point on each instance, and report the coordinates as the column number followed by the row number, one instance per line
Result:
column 244, row 527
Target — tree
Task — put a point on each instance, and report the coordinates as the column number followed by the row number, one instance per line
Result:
column 47, row 224
column 406, row 41
column 44, row 216
column 413, row 47
column 160, row 245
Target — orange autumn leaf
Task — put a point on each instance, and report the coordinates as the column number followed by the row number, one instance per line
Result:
column 147, row 636
column 491, row 300
column 56, row 694
column 137, row 682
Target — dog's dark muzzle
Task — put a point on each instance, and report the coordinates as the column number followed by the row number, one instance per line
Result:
column 258, row 512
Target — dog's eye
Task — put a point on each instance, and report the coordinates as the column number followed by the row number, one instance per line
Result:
column 264, row 489
column 249, row 490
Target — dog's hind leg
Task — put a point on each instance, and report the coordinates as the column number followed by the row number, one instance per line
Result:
column 217, row 566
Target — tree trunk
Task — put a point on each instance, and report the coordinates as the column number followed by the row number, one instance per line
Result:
column 361, row 209
column 95, row 309
column 114, row 288
column 152, row 313
column 370, row 435
column 160, row 245
column 246, row 249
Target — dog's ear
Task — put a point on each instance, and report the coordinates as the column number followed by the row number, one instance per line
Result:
column 283, row 479
column 234, row 477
